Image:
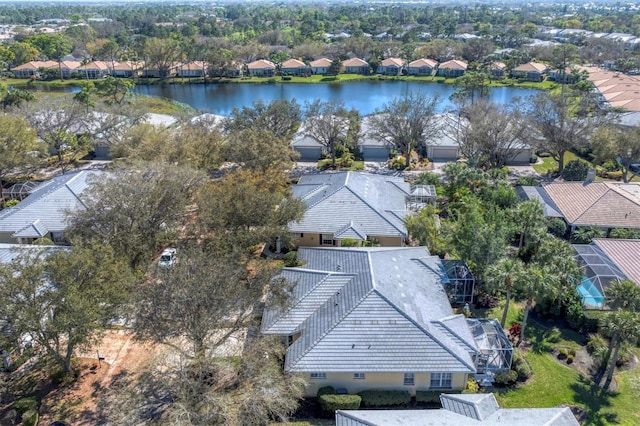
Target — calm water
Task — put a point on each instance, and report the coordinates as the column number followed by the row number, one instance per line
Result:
column 364, row 96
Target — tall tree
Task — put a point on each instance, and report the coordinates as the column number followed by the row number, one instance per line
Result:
column 622, row 327
column 564, row 122
column 625, row 295
column 618, row 144
column 136, row 209
column 19, row 147
column 535, row 285
column 114, row 90
column 65, row 299
column 406, row 123
column 531, row 221
column 327, row 123
column 162, row 54
column 502, row 275
column 281, row 117
column 260, row 150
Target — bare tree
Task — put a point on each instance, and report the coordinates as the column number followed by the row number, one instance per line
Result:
column 327, row 124
column 406, row 123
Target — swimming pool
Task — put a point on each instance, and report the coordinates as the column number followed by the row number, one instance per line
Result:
column 590, row 294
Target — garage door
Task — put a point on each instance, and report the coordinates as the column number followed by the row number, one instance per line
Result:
column 445, row 154
column 375, row 154
column 309, row 154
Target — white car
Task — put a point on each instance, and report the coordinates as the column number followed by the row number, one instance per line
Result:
column 167, row 258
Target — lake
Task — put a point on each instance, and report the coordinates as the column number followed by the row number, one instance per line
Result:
column 364, row 96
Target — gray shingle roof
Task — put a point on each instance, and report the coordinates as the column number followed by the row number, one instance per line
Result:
column 391, row 315
column 467, row 409
column 44, row 209
column 538, row 193
column 9, row 252
column 374, row 204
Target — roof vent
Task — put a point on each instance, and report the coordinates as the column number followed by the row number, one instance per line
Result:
column 338, row 267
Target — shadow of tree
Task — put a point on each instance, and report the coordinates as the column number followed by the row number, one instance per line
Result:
column 596, row 399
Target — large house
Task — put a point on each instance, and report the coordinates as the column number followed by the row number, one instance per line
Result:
column 193, row 69
column 372, row 147
column 531, row 71
column 294, row 67
column 380, row 318
column 356, row 66
column 44, row 212
column 468, row 409
column 33, row 68
column 421, row 67
column 391, row 66
column 320, row 66
column 354, row 206
column 261, row 68
column 453, row 68
column 604, row 205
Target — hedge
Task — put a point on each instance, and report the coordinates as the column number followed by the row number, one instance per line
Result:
column 332, row 403
column 380, row 398
column 326, row 390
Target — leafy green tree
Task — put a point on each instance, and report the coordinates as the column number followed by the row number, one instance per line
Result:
column 115, row 90
column 406, row 123
column 52, row 46
column 136, row 209
column 281, row 117
column 575, row 171
column 473, row 85
column 619, row 144
column 335, row 68
column 23, row 52
column 531, row 221
column 327, row 123
column 501, row 276
column 65, row 299
column 260, row 150
column 162, row 54
column 19, row 147
column 622, row 327
column 585, row 234
column 85, row 95
column 15, row 97
column 536, row 284
column 625, row 295
column 425, row 227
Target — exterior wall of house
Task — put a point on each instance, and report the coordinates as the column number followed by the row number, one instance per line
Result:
column 356, row 70
column 419, row 70
column 266, row 72
column 450, row 72
column 6, row 238
column 319, row 70
column 295, row 71
column 382, row 381
column 313, row 240
column 389, row 70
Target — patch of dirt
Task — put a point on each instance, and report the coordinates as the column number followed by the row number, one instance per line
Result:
column 77, row 403
column 582, row 361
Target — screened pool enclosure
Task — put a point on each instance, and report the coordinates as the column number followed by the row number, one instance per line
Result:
column 599, row 273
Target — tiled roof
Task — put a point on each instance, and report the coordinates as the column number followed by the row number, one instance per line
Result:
column 32, row 230
column 350, row 231
column 391, row 316
column 370, row 202
column 531, row 67
column 464, row 409
column 422, row 62
column 454, row 64
column 9, row 252
column 293, row 63
column 354, row 62
column 624, row 253
column 45, row 208
column 261, row 64
column 322, row 62
column 595, row 204
column 538, row 193
column 392, row 62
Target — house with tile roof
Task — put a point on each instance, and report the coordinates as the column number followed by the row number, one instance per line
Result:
column 126, row 69
column 33, row 68
column 44, row 212
column 356, row 66
column 377, row 318
column 497, row 69
column 320, row 66
column 261, row 68
column 93, row 70
column 601, row 204
column 531, row 71
column 451, row 69
column 467, row 409
column 391, row 66
column 422, row 67
column 605, row 262
column 351, row 205
column 294, row 67
column 193, row 69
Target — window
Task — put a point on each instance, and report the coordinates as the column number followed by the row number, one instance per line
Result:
column 326, row 241
column 440, row 380
column 318, row 376
column 358, row 376
column 409, row 379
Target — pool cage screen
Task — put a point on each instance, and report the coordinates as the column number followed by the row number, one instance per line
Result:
column 599, row 273
column 458, row 281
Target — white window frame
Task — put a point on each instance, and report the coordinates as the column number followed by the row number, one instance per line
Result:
column 318, row 376
column 359, row 376
column 441, row 381
column 409, row 379
column 326, row 242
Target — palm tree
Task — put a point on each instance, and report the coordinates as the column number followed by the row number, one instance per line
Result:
column 502, row 275
column 622, row 327
column 534, row 283
column 558, row 256
column 531, row 219
column 624, row 294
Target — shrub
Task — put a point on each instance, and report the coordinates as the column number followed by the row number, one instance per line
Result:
column 563, row 353
column 570, row 359
column 596, row 343
column 625, row 233
column 44, row 241
column 397, row 163
column 472, row 385
column 10, row 203
column 557, row 227
column 500, row 173
column 571, row 352
column 486, row 301
column 332, row 403
column 428, row 178
column 326, row 390
column 350, row 242
column 286, row 78
column 575, row 315
column 505, row 378
column 585, row 234
column 290, row 258
column 515, row 329
column 30, row 418
column 428, row 397
column 575, row 170
column 520, row 366
column 25, row 404
column 528, row 181
column 380, row 398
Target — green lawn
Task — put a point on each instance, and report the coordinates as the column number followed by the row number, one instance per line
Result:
column 555, row 384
